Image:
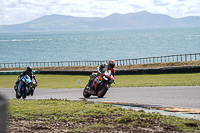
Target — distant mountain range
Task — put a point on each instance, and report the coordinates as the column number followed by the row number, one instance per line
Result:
column 114, row 21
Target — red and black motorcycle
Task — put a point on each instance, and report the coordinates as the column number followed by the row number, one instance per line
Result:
column 100, row 85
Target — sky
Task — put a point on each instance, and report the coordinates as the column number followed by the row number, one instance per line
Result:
column 20, row 11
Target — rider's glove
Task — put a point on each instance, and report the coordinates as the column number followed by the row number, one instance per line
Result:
column 100, row 72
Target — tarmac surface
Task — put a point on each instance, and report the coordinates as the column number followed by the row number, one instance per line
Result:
column 169, row 96
column 180, row 101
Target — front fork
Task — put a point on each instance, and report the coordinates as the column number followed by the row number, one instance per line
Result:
column 21, row 88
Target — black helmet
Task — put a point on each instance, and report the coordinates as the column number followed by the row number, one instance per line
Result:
column 29, row 69
column 111, row 63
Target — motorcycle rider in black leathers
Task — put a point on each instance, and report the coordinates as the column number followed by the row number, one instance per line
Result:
column 102, row 68
column 27, row 72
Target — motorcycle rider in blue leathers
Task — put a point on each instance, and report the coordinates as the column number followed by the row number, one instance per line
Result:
column 27, row 72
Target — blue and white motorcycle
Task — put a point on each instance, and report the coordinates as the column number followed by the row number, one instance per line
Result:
column 24, row 88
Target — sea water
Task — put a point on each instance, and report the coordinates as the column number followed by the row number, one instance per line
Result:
column 97, row 45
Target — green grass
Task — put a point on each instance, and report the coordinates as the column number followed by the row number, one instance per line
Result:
column 93, row 116
column 70, row 81
column 99, row 116
column 192, row 79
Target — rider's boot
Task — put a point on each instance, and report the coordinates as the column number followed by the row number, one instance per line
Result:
column 90, row 88
column 89, row 84
column 17, row 92
column 16, row 85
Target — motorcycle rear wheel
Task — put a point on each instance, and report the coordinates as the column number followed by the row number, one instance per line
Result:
column 32, row 90
column 85, row 93
column 102, row 90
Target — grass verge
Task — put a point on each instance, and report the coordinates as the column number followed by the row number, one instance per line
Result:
column 62, row 115
column 70, row 81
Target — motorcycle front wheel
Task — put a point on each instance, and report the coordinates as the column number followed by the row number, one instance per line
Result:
column 85, row 93
column 102, row 90
column 24, row 93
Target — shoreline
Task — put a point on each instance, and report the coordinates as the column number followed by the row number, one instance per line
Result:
column 122, row 67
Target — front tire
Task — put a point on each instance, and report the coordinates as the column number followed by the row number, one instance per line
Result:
column 24, row 93
column 102, row 90
column 85, row 93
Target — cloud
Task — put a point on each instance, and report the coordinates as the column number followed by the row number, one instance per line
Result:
column 19, row 11
column 177, row 8
column 160, row 3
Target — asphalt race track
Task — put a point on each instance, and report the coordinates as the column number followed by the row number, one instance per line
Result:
column 173, row 96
